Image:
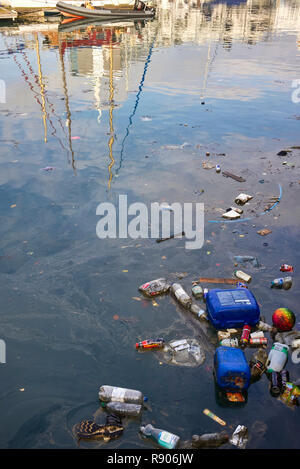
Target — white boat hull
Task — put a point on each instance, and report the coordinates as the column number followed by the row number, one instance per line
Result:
column 52, row 3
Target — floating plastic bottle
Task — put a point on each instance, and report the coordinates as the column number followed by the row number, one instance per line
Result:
column 114, row 393
column 258, row 363
column 155, row 287
column 163, row 438
column 199, row 312
column 181, row 295
column 209, row 440
column 123, row 408
column 283, row 282
column 277, row 357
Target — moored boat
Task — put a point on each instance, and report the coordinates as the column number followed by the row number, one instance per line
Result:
column 140, row 10
column 32, row 4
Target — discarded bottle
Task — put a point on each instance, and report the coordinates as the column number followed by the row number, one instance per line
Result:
column 275, row 384
column 218, row 168
column 163, row 438
column 146, row 344
column 258, row 341
column 245, row 335
column 113, row 393
column 277, row 357
column 181, row 295
column 123, row 408
column 209, row 440
column 229, row 343
column 243, row 276
column 287, row 268
column 258, row 363
column 283, row 282
column 155, row 287
column 200, row 313
column 197, row 291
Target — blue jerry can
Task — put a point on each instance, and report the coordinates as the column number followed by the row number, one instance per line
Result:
column 232, row 308
column 231, row 369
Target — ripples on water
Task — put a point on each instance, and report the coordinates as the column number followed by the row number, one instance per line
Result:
column 117, row 109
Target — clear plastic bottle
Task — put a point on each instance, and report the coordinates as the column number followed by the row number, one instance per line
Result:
column 114, row 393
column 181, row 295
column 123, row 409
column 199, row 312
column 163, row 438
column 283, row 282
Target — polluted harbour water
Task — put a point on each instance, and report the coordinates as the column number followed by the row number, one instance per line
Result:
column 89, row 112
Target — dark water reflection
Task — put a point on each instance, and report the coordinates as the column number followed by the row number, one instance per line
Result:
column 116, row 109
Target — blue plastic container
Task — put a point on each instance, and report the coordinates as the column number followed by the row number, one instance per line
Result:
column 232, row 308
column 231, row 369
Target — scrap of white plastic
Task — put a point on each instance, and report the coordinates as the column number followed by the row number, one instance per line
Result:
column 241, row 199
column 240, row 437
column 231, row 215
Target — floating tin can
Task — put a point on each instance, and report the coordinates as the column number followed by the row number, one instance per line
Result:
column 287, row 268
column 245, row 335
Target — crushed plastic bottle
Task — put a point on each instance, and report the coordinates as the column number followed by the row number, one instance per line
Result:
column 283, row 282
column 240, row 437
column 113, row 393
column 163, row 438
column 124, row 409
column 184, row 352
column 155, row 287
column 229, row 343
column 209, row 440
column 290, row 338
column 182, row 297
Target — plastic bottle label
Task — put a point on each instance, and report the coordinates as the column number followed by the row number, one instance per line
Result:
column 118, row 394
column 227, row 298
